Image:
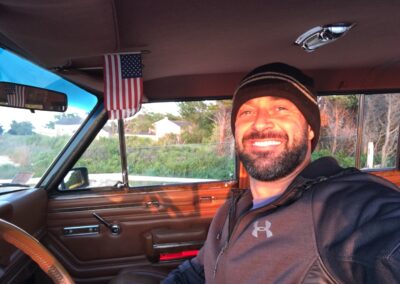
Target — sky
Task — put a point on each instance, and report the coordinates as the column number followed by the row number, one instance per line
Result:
column 170, row 107
column 18, row 70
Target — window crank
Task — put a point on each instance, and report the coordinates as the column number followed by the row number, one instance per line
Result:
column 114, row 228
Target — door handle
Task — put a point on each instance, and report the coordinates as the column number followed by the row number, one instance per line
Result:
column 81, row 230
column 114, row 228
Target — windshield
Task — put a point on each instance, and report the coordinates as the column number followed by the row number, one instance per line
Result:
column 31, row 140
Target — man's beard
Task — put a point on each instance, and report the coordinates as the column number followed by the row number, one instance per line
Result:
column 266, row 166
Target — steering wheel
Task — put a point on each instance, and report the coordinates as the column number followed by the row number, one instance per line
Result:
column 35, row 250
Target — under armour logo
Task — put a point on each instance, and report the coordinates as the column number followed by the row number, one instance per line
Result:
column 265, row 229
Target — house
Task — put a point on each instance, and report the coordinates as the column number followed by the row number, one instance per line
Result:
column 166, row 126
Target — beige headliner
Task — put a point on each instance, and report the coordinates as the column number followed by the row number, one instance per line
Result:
column 203, row 47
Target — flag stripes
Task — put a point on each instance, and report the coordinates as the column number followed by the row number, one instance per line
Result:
column 123, row 84
column 16, row 97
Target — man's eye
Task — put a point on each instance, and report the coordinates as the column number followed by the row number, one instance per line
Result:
column 246, row 112
column 280, row 108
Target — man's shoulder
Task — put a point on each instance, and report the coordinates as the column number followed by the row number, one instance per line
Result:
column 356, row 223
column 353, row 194
column 355, row 205
column 352, row 183
column 333, row 179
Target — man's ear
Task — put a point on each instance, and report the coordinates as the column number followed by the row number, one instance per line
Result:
column 310, row 133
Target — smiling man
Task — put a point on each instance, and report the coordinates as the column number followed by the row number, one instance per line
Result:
column 273, row 137
column 300, row 222
column 273, row 142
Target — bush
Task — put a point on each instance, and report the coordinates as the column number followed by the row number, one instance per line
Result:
column 33, row 153
column 8, row 171
column 191, row 161
column 343, row 159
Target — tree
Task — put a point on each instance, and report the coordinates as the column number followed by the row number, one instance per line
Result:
column 200, row 115
column 68, row 119
column 381, row 126
column 111, row 127
column 338, row 123
column 222, row 121
column 51, row 125
column 21, row 128
column 65, row 119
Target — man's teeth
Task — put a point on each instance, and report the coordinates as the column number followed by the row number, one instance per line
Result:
column 266, row 143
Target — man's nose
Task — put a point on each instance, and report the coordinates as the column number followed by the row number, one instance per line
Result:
column 263, row 121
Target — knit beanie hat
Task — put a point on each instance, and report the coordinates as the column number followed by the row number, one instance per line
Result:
column 280, row 80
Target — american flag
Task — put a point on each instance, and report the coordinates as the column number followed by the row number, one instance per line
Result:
column 16, row 95
column 123, row 84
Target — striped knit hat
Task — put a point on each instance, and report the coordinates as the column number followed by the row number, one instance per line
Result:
column 287, row 82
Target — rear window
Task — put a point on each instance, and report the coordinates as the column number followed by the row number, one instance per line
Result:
column 360, row 130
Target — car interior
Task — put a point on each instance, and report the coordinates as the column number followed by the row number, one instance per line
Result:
column 87, row 218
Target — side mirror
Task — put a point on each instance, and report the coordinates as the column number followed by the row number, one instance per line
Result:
column 33, row 98
column 76, row 178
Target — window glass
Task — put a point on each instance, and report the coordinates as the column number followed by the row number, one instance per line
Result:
column 192, row 142
column 380, row 131
column 379, row 128
column 338, row 135
column 31, row 140
column 172, row 143
column 102, row 159
column 166, row 143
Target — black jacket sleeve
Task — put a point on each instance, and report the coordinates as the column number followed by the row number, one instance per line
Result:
column 191, row 271
column 359, row 229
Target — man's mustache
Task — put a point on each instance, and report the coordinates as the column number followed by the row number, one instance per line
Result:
column 265, row 135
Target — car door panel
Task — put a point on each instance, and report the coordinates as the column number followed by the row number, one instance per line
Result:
column 391, row 175
column 153, row 221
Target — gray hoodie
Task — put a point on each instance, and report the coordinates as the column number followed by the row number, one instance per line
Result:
column 331, row 225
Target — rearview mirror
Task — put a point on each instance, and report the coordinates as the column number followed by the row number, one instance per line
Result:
column 28, row 97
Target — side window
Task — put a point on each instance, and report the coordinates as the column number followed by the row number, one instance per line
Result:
column 380, row 131
column 338, row 133
column 101, row 160
column 360, row 130
column 166, row 143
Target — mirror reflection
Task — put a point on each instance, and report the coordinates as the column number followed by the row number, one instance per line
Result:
column 28, row 97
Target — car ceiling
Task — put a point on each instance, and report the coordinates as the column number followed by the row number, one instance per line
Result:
column 202, row 48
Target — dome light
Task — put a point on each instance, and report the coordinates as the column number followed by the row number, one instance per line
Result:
column 319, row 36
